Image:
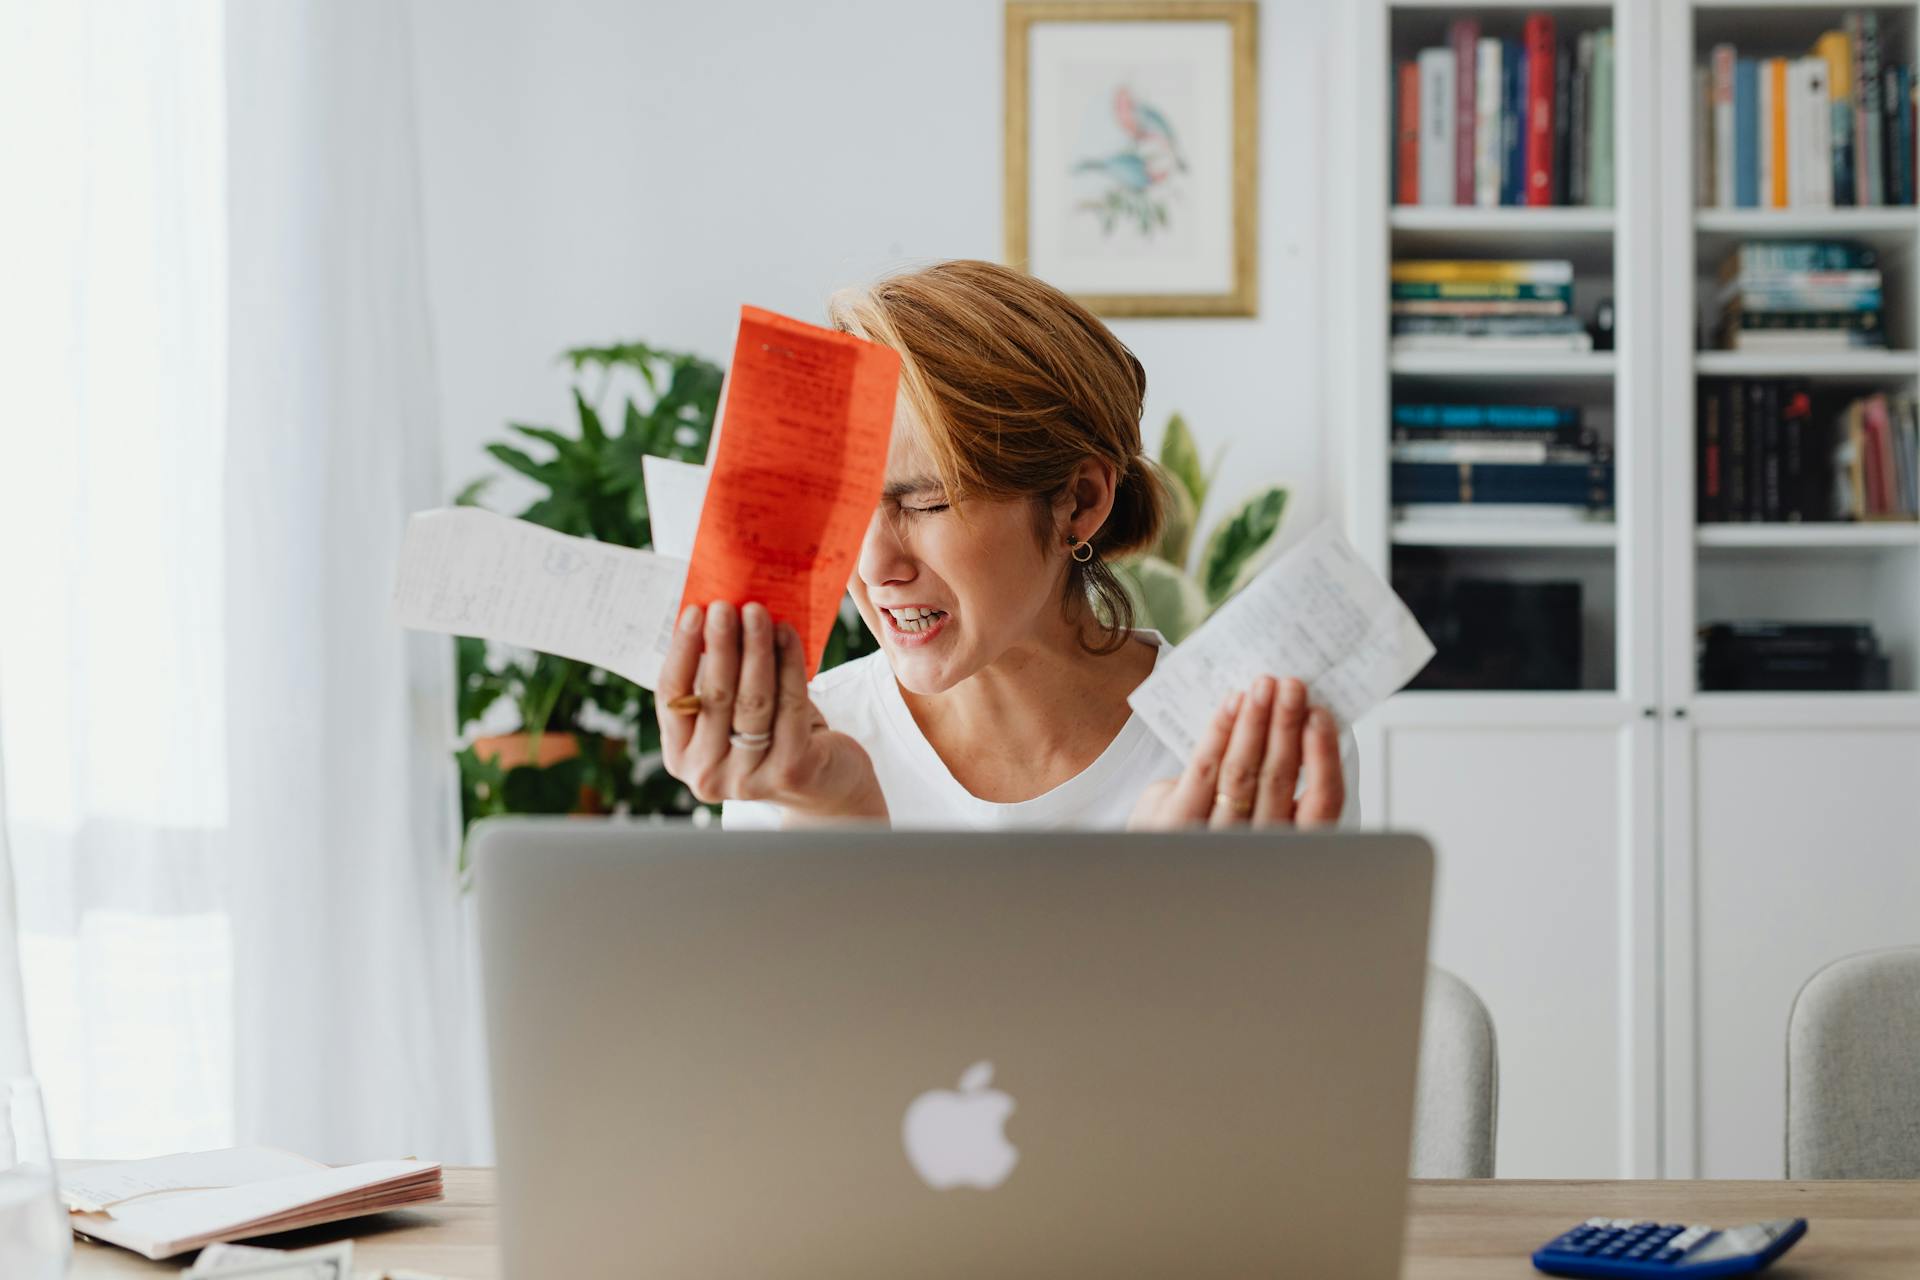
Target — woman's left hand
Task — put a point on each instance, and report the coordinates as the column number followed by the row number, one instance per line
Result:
column 1261, row 747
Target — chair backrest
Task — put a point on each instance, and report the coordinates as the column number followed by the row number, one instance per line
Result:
column 1853, row 1069
column 1457, row 1106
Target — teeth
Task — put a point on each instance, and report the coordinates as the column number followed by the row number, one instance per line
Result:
column 915, row 619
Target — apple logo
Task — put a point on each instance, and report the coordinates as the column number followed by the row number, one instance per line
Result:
column 955, row 1139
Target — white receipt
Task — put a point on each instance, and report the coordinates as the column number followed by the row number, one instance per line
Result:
column 90, row 1188
column 675, row 493
column 1317, row 613
column 468, row 572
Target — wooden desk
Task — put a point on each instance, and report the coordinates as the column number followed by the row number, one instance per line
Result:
column 1457, row 1231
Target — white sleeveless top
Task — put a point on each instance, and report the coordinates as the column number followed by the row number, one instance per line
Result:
column 862, row 700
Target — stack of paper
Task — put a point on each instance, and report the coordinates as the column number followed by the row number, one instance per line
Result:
column 174, row 1204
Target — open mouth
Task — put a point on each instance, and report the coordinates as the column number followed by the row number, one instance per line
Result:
column 914, row 622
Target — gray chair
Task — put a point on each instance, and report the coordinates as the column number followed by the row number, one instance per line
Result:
column 1853, row 1069
column 1457, row 1101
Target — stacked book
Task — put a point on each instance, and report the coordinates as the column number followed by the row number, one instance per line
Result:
column 1767, row 452
column 1470, row 305
column 1834, row 127
column 1498, row 462
column 1790, row 656
column 1799, row 296
column 1486, row 121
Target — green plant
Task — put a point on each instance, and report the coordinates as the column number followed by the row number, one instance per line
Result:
column 1165, row 594
column 592, row 487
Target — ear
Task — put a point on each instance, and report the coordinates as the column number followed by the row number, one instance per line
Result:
column 1088, row 499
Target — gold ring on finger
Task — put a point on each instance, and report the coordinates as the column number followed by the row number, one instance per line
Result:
column 1240, row 808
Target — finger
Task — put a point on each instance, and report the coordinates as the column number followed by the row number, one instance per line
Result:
column 719, row 675
column 1325, row 793
column 1240, row 766
column 1280, row 771
column 794, row 719
column 753, row 702
column 676, row 680
column 1193, row 798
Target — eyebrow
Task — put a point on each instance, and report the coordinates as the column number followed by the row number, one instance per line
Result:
column 911, row 485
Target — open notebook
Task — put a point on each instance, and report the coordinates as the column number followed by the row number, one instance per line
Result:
column 173, row 1204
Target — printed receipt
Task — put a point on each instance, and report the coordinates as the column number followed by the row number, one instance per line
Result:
column 1317, row 613
column 468, row 572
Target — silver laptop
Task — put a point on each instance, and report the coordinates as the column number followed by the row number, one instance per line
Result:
column 851, row 1054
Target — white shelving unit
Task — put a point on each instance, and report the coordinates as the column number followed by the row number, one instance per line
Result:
column 1789, row 822
column 1637, row 875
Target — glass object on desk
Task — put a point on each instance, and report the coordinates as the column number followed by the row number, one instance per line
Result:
column 35, row 1241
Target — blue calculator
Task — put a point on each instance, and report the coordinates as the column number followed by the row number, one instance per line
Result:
column 1610, row 1247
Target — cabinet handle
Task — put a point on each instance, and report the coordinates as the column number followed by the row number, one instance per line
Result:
column 1679, row 713
column 1649, row 713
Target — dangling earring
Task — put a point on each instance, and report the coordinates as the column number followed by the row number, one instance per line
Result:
column 1075, row 547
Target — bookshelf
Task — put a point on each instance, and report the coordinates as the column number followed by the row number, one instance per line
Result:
column 1658, row 821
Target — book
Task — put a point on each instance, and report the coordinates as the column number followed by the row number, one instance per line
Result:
column 170, row 1205
column 1488, row 325
column 1517, row 344
column 1483, row 290
column 1707, row 503
column 1465, row 308
column 1600, row 192
column 1898, row 98
column 1776, row 101
column 1580, row 121
column 1864, row 27
column 1463, row 36
column 1585, row 482
column 1704, row 163
column 1757, row 259
column 1483, row 416
column 1514, row 451
column 1513, row 119
column 1436, row 126
column 1562, row 126
column 1746, row 133
column 1407, row 174
column 1486, row 124
column 1722, row 131
column 1837, row 50
column 1539, row 36
column 1815, row 111
column 1497, row 270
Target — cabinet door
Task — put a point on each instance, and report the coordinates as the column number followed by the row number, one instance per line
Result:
column 1805, row 848
column 1538, row 821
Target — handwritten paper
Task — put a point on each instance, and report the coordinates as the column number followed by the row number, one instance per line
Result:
column 1317, row 613
column 468, row 572
column 90, row 1188
column 675, row 493
column 796, row 472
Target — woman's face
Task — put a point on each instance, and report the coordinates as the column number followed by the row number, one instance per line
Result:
column 949, row 592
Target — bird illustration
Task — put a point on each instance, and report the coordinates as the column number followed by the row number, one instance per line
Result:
column 1139, row 121
column 1127, row 168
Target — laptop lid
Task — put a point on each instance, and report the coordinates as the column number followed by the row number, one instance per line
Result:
column 850, row 1053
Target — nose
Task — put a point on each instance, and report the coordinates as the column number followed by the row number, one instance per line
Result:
column 884, row 557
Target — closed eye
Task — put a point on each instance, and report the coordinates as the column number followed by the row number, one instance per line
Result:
column 926, row 511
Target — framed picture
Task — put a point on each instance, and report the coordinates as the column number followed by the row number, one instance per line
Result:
column 1130, row 154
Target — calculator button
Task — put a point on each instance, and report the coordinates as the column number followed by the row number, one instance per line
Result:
column 1670, row 1255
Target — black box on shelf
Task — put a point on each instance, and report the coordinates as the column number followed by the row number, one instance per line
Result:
column 1790, row 657
column 1493, row 634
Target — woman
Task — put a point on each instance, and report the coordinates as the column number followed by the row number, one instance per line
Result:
column 999, row 696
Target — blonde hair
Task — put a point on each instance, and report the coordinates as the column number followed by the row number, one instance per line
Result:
column 1015, row 385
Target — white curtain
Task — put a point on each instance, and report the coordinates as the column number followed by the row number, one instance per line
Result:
column 232, row 807
column 354, row 1037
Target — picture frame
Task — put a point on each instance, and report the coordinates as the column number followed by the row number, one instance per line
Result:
column 1131, row 152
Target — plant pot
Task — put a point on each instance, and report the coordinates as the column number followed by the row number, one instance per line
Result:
column 515, row 750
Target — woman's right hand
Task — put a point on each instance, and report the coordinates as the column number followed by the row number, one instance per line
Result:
column 757, row 735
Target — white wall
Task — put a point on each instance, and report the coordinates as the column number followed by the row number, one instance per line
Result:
column 600, row 169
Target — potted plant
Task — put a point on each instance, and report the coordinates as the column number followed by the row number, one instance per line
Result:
column 1166, row 595
column 550, row 735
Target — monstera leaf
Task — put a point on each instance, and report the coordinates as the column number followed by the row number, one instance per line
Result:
column 1163, row 597
column 1232, row 553
column 1176, row 535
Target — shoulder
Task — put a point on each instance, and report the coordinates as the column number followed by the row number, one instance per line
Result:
column 850, row 689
